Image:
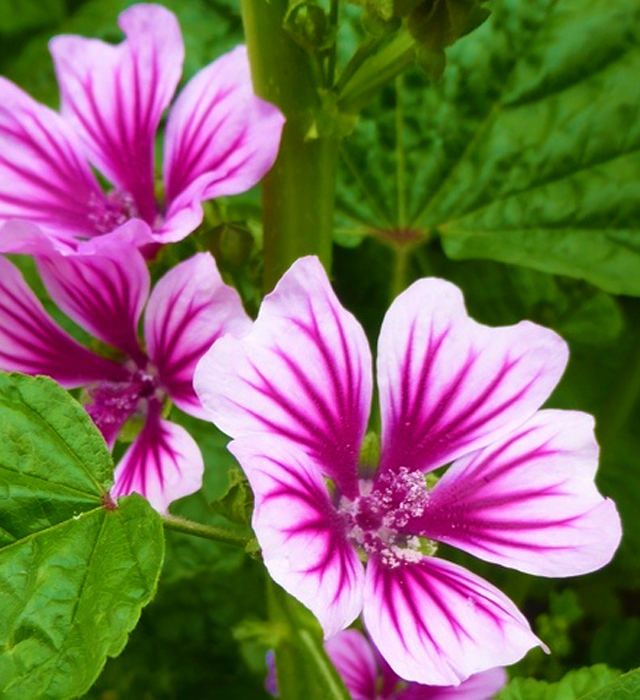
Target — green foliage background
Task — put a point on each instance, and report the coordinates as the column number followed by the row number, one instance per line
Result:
column 517, row 176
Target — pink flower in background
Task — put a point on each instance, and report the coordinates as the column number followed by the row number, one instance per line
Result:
column 105, row 294
column 220, row 139
column 295, row 394
column 367, row 675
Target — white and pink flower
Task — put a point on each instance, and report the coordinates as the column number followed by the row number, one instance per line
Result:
column 105, row 293
column 220, row 139
column 295, row 394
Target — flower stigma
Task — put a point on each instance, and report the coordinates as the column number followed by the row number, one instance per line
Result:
column 375, row 521
column 112, row 211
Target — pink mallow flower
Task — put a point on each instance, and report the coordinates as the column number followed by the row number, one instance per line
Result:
column 220, row 139
column 367, row 676
column 105, row 294
column 346, row 536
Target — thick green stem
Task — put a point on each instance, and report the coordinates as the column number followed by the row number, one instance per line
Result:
column 217, row 534
column 299, row 192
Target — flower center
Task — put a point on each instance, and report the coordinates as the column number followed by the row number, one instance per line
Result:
column 112, row 403
column 375, row 520
column 111, row 211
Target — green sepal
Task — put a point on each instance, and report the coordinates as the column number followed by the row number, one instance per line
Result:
column 378, row 26
column 308, row 25
column 437, row 24
column 237, row 503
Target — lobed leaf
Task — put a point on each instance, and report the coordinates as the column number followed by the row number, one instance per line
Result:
column 528, row 152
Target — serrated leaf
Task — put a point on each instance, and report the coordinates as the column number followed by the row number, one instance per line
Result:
column 572, row 687
column 75, row 569
column 550, row 176
column 626, row 687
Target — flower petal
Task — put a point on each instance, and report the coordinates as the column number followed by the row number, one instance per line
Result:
column 189, row 308
column 103, row 292
column 436, row 623
column 302, row 373
column 355, row 661
column 45, row 177
column 449, row 385
column 481, row 686
column 220, row 140
column 528, row 501
column 31, row 342
column 304, row 544
column 115, row 95
column 164, row 463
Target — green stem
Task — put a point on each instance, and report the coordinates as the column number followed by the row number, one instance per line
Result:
column 299, row 191
column 399, row 276
column 331, row 60
column 359, row 57
column 376, row 71
column 208, row 532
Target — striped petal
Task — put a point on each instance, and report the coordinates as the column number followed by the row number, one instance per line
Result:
column 449, row 385
column 481, row 686
column 303, row 541
column 114, row 96
column 220, row 140
column 189, row 308
column 437, row 624
column 32, row 343
column 45, row 177
column 528, row 501
column 103, row 292
column 302, row 373
column 355, row 661
column 164, row 463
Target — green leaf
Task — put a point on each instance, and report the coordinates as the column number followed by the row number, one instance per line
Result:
column 626, row 687
column 549, row 176
column 75, row 568
column 573, row 686
column 303, row 668
column 527, row 152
